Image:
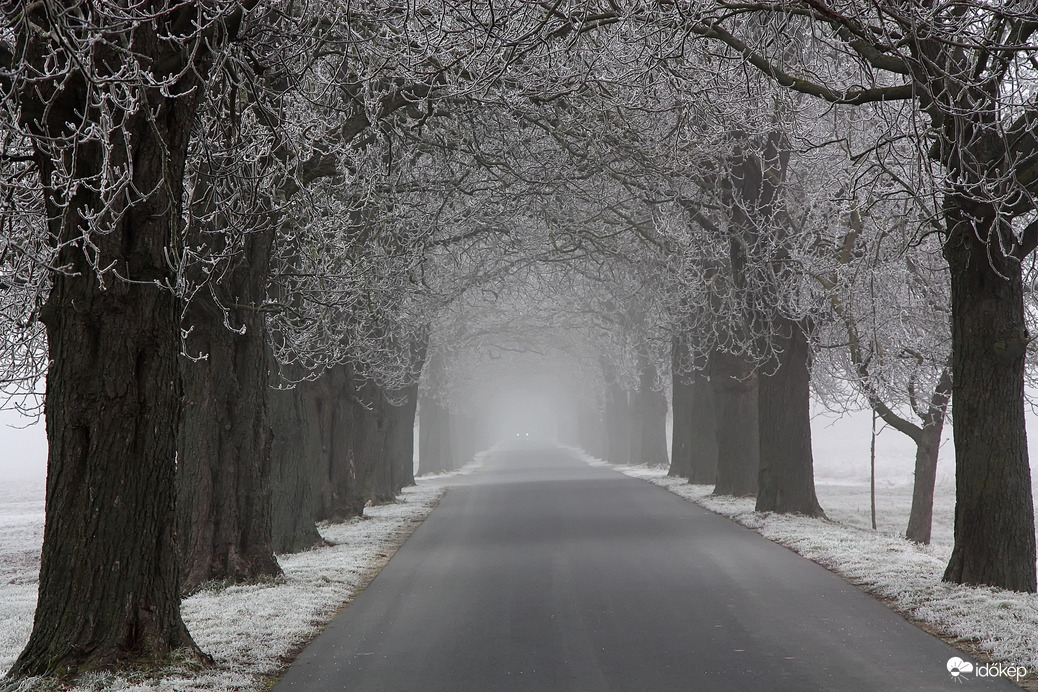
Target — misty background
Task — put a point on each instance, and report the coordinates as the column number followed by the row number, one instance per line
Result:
column 840, row 441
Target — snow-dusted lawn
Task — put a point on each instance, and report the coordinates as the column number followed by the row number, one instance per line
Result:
column 1002, row 625
column 251, row 631
column 21, row 535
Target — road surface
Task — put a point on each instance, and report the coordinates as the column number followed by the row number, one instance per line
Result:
column 543, row 573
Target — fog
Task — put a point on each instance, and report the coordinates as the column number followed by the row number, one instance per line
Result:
column 23, row 446
column 525, row 412
column 840, row 441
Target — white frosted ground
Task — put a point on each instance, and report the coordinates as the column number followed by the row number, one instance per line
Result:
column 249, row 630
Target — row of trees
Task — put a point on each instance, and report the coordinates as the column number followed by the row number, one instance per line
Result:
column 235, row 233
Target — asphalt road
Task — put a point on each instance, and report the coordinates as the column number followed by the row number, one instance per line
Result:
column 543, row 573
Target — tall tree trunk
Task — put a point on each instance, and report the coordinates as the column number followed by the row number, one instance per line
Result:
column 681, row 405
column 786, row 480
column 920, row 518
column 400, row 420
column 694, row 446
column 400, row 424
column 374, row 473
column 653, row 450
column 703, row 456
column 928, row 447
column 109, row 591
column 223, row 457
column 297, row 469
column 435, row 451
column 345, row 498
column 994, row 510
column 435, row 447
column 738, row 443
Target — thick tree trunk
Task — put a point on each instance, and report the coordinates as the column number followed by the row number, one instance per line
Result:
column 345, row 496
column 786, row 482
column 223, row 472
column 313, row 456
column 399, row 443
column 994, row 511
column 653, row 450
column 694, row 445
column 297, row 469
column 109, row 588
column 109, row 593
column 738, row 444
column 400, row 424
column 681, row 405
column 435, row 452
column 374, row 472
column 703, row 456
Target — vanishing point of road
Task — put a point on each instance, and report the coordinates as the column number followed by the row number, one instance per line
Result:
column 542, row 573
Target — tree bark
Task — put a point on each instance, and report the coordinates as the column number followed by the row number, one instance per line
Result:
column 681, row 405
column 297, row 469
column 344, row 497
column 435, row 452
column 109, row 593
column 920, row 518
column 400, row 425
column 223, row 456
column 994, row 511
column 374, row 472
column 653, row 417
column 786, row 481
column 738, row 443
column 695, row 425
column 399, row 443
column 928, row 445
column 703, row 457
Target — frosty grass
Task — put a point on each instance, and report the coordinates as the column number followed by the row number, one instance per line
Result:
column 250, row 631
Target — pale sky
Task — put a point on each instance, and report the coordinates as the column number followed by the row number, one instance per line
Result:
column 23, row 447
